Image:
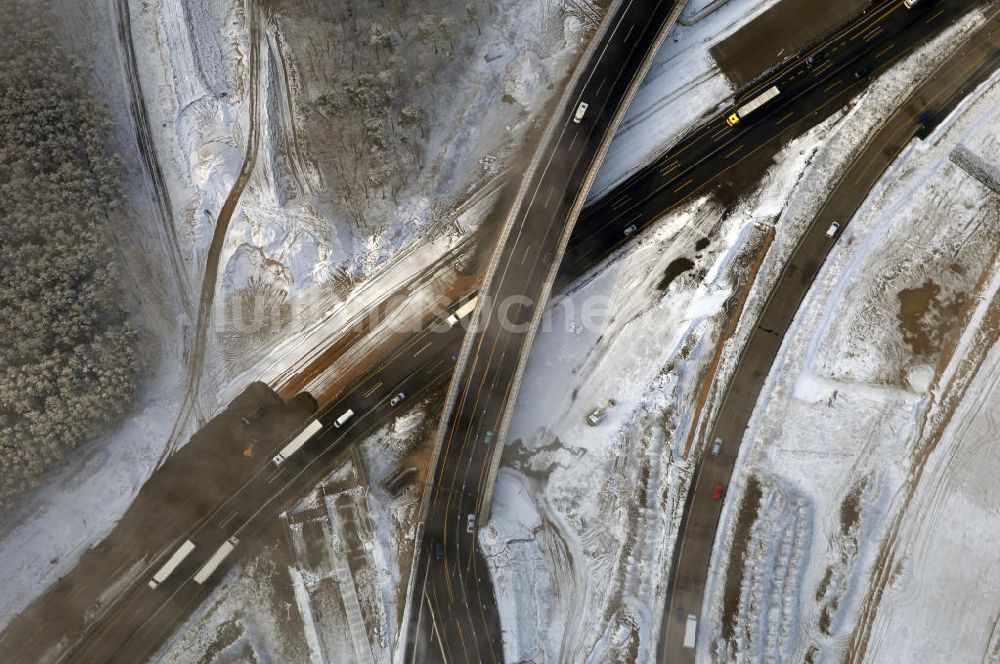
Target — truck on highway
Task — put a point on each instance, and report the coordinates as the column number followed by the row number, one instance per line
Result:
column 296, row 443
column 168, row 567
column 690, row 631
column 213, row 563
column 467, row 308
column 752, row 105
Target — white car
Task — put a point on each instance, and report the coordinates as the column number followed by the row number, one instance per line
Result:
column 833, row 230
column 580, row 110
column 398, row 399
column 470, row 526
column 631, row 229
column 717, row 447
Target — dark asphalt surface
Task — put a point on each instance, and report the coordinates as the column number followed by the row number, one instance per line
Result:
column 699, row 523
column 137, row 621
column 453, row 616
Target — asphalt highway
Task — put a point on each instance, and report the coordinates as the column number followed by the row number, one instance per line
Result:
column 135, row 623
column 456, row 617
column 808, row 93
column 456, row 620
column 973, row 62
column 130, row 628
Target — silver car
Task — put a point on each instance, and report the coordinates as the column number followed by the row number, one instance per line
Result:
column 470, row 526
column 396, row 400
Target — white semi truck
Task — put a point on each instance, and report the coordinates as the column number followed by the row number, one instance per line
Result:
column 213, row 563
column 690, row 631
column 296, row 443
column 752, row 105
column 463, row 311
column 168, row 567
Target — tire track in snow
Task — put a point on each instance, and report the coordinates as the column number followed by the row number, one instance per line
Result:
column 147, row 153
column 196, row 359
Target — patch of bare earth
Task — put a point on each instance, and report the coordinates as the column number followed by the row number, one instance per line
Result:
column 749, row 510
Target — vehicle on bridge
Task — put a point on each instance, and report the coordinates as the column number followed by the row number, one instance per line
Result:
column 296, row 443
column 467, row 308
column 580, row 110
column 398, row 399
column 717, row 491
column 168, row 567
column 213, row 563
column 717, row 447
column 752, row 105
column 833, row 229
column 909, row 4
column 816, row 58
column 470, row 524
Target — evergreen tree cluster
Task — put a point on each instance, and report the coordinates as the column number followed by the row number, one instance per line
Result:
column 67, row 354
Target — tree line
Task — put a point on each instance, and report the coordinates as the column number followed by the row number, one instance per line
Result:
column 67, row 351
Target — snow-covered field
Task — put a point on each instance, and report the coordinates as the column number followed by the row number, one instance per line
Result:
column 298, row 257
column 584, row 517
column 861, row 458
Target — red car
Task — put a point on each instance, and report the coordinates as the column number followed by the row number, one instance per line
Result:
column 717, row 492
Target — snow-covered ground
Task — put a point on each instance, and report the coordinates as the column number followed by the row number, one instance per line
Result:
column 291, row 242
column 860, row 456
column 579, row 572
column 192, row 60
column 584, row 517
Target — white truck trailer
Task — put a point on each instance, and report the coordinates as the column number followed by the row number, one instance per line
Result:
column 463, row 311
column 296, row 443
column 690, row 631
column 213, row 563
column 168, row 567
column 752, row 105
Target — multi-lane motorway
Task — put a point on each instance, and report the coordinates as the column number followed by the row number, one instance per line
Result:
column 973, row 61
column 136, row 622
column 456, row 620
column 452, row 615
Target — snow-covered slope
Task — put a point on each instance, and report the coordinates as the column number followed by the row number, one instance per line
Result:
column 864, row 389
